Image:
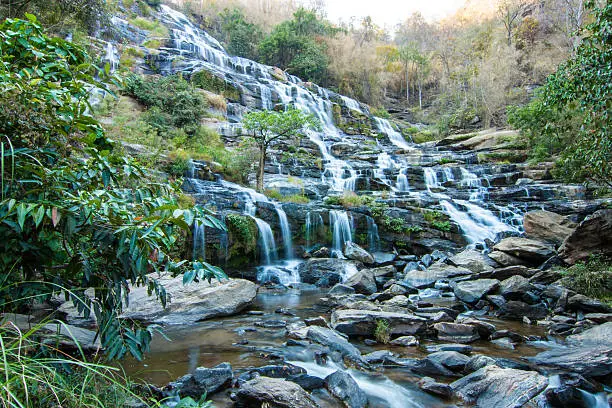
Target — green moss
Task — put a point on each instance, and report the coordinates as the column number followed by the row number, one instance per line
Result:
column 591, row 278
column 437, row 220
column 155, row 28
column 423, row 136
column 382, row 331
column 502, row 157
column 210, row 82
column 242, row 232
column 381, row 113
column 153, row 44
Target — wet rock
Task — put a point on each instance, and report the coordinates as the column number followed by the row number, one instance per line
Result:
column 273, row 371
column 452, row 360
column 430, row 386
column 478, row 362
column 532, row 251
column 565, row 391
column 340, row 289
column 599, row 317
column 297, row 330
column 322, row 252
column 593, row 235
column 363, row 322
column 496, row 300
column 377, row 357
column 411, row 266
column 398, row 301
column 456, row 332
column 460, row 348
column 515, row 337
column 493, row 386
column 273, row 392
column 484, row 329
column 356, row 253
column 341, row 385
column 515, row 288
column 191, row 303
column 326, row 272
column 203, row 381
column 335, row 342
column 428, row 367
column 515, row 310
column 586, row 304
column 473, row 260
column 406, row 341
column 600, row 334
column 507, row 272
column 545, row 277
column 383, row 271
column 547, row 226
column 438, row 271
column 505, row 259
column 307, row 382
column 316, row 321
column 271, row 324
column 504, row 342
column 473, row 291
column 362, row 282
column 63, row 336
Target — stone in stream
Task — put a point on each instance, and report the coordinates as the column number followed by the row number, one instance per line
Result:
column 473, row 260
column 473, row 291
column 335, row 342
column 340, row 289
column 495, row 387
column 326, row 272
column 506, row 260
column 507, row 272
column 273, row 371
column 547, row 226
column 438, row 271
column 515, row 288
column 362, row 282
column 460, row 348
column 307, row 382
column 456, row 332
column 273, row 392
column 528, row 250
column 342, row 386
column 477, row 362
column 586, row 304
column 430, row 386
column 516, row 310
column 203, row 381
column 357, row 253
column 593, row 235
column 191, row 303
column 377, row 357
column 406, row 341
column 354, row 322
column 452, row 360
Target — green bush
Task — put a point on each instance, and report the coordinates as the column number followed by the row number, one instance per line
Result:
column 382, row 331
column 381, row 113
column 591, row 278
column 210, row 82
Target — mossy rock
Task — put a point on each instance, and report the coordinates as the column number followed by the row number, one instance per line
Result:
column 242, row 232
column 210, row 82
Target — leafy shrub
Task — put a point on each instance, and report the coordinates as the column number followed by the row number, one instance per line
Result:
column 381, row 113
column 210, row 82
column 591, row 278
column 179, row 164
column 156, row 28
column 295, row 198
column 273, row 194
column 382, row 332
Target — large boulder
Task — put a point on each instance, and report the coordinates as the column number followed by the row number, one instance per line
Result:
column 594, row 234
column 528, row 250
column 452, row 360
column 515, row 288
column 203, row 381
column 547, row 226
column 357, row 253
column 456, row 332
column 191, row 303
column 495, row 387
column 507, row 260
column 473, row 260
column 516, row 310
column 363, row 322
column 273, row 392
column 341, row 385
column 473, row 291
column 437, row 271
column 362, row 282
column 335, row 342
column 326, row 272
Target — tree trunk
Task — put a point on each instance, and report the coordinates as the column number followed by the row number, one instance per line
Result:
column 262, row 164
column 407, row 86
column 420, row 94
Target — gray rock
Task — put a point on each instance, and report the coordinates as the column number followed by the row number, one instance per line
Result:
column 326, row 272
column 274, row 392
column 377, row 357
column 406, row 341
column 316, row 321
column 341, row 385
column 586, row 304
column 477, row 362
column 362, row 282
column 494, row 387
column 514, row 288
column 516, row 310
column 438, row 271
column 191, row 303
column 452, row 360
column 456, row 332
column 589, row 360
column 473, row 260
column 460, row 348
column 507, row 260
column 593, row 235
column 547, row 226
column 473, row 291
column 600, row 334
column 203, row 381
column 65, row 335
column 532, row 251
column 340, row 289
column 430, row 386
column 357, row 253
column 335, row 342
column 285, row 370
column 307, row 382
column 363, row 322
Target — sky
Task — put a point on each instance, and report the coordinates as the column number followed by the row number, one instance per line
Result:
column 390, row 12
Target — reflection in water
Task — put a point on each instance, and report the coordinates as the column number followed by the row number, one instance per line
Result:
column 194, row 355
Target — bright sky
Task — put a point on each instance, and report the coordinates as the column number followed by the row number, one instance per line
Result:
column 390, row 12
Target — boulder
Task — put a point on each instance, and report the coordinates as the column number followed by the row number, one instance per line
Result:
column 363, row 322
column 406, row 341
column 340, row 289
column 515, row 288
column 357, row 253
column 274, row 392
column 326, row 272
column 67, row 336
column 285, row 370
column 477, row 362
column 438, row 271
column 335, row 342
column 600, row 334
column 506, row 260
column 362, row 282
column 528, row 250
column 452, row 360
column 456, row 332
column 516, row 310
column 341, row 385
column 593, row 235
column 587, row 304
column 495, row 387
column 307, row 382
column 203, row 381
column 460, row 348
column 191, row 303
column 473, row 291
column 473, row 260
column 430, row 386
column 547, row 226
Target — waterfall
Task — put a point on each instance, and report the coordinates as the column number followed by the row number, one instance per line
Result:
column 431, row 178
column 112, row 56
column 314, row 222
column 384, row 126
column 351, row 103
column 472, row 181
column 267, row 246
column 341, row 231
column 373, row 237
column 199, row 241
column 266, row 97
column 477, row 223
column 285, row 231
column 402, row 181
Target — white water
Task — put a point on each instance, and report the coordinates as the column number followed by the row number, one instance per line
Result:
column 341, row 231
column 394, row 136
column 199, row 241
column 112, row 56
column 373, row 237
column 285, row 271
column 267, row 246
column 477, row 223
column 314, row 222
column 285, row 231
column 401, row 184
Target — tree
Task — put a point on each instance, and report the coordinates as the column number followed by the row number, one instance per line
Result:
column 510, row 13
column 241, row 37
column 270, row 127
column 74, row 213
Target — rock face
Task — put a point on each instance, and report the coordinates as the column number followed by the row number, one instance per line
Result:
column 494, row 387
column 547, row 226
column 594, row 234
column 525, row 249
column 456, row 332
column 204, row 381
column 357, row 253
column 514, row 288
column 343, row 386
column 273, row 392
column 473, row 291
column 193, row 302
column 363, row 322
column 326, row 272
column 516, row 310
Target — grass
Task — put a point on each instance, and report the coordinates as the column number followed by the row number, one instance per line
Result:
column 349, row 199
column 592, row 278
column 275, row 194
column 155, row 28
column 216, row 101
column 382, row 332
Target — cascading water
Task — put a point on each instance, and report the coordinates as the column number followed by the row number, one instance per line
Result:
column 314, row 222
column 341, row 231
column 199, row 241
column 285, row 231
column 112, row 56
column 384, row 126
column 373, row 237
column 267, row 246
column 401, row 183
column 476, row 222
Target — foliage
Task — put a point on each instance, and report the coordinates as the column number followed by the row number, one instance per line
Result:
column 242, row 233
column 382, row 331
column 171, row 101
column 437, row 220
column 591, row 278
column 156, row 28
column 571, row 115
column 240, row 36
column 381, row 113
column 210, row 82
column 270, row 127
column 295, row 198
column 73, row 213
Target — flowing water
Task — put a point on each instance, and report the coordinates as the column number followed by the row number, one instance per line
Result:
column 342, row 232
